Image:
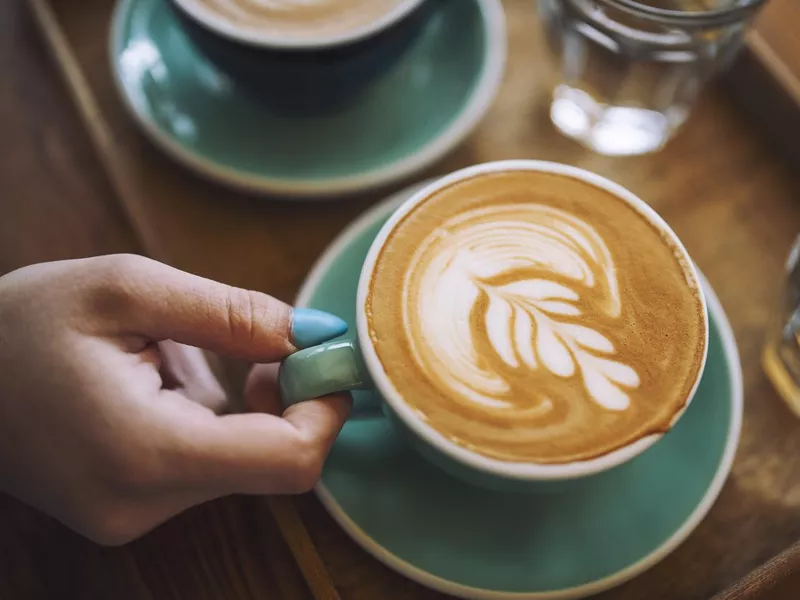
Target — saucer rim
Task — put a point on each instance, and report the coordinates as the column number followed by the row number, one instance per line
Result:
column 479, row 102
column 440, row 584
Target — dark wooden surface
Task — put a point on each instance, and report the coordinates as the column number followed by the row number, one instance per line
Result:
column 776, row 579
column 771, row 65
column 719, row 184
column 56, row 203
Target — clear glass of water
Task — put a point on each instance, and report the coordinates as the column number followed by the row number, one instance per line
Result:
column 781, row 356
column 630, row 70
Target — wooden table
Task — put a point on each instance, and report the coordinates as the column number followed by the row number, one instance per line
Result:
column 719, row 184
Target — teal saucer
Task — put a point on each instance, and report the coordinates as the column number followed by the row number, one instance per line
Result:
column 475, row 543
column 415, row 113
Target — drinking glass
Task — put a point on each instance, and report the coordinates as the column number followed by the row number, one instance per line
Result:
column 781, row 356
column 630, row 70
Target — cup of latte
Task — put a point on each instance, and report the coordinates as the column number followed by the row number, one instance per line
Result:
column 526, row 323
column 302, row 55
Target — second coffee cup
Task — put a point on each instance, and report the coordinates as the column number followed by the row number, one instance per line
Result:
column 300, row 57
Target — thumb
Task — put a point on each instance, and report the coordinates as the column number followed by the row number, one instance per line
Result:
column 159, row 302
column 266, row 454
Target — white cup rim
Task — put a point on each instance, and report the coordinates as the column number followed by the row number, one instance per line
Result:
column 252, row 37
column 468, row 458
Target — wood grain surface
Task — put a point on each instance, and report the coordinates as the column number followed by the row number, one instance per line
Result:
column 766, row 80
column 777, row 579
column 719, row 184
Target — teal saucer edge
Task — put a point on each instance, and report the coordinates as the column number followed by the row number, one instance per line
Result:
column 476, row 543
column 200, row 117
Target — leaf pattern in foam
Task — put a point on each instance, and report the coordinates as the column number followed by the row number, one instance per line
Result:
column 524, row 327
column 588, row 338
column 552, row 349
column 558, row 308
column 523, row 337
column 538, row 289
column 601, row 387
column 498, row 328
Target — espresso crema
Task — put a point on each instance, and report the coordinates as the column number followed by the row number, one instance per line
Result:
column 533, row 317
column 302, row 20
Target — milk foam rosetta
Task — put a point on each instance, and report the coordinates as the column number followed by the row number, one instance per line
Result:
column 480, row 259
column 533, row 317
column 304, row 19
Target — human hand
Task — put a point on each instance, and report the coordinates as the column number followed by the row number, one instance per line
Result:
column 111, row 424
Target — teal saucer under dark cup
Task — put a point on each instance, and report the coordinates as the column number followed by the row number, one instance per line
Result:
column 476, row 543
column 410, row 116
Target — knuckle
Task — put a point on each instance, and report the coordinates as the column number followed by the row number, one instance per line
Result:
column 240, row 305
column 113, row 291
column 306, row 469
column 216, row 400
column 117, row 268
column 111, row 515
column 113, row 524
column 103, row 516
column 255, row 319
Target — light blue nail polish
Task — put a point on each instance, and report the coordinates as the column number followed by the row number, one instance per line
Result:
column 311, row 327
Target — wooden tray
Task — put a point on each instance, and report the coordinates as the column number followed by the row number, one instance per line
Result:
column 766, row 79
column 709, row 174
column 777, row 579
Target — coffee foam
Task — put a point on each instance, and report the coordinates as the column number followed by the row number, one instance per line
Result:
column 301, row 19
column 518, row 313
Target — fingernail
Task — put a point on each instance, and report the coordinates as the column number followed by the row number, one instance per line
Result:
column 311, row 327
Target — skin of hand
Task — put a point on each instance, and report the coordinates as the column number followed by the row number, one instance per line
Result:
column 110, row 418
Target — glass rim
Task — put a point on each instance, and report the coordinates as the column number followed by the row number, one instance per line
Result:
column 702, row 18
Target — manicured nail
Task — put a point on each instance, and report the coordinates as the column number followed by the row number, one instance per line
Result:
column 311, row 327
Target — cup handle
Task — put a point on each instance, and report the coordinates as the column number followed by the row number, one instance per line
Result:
column 320, row 370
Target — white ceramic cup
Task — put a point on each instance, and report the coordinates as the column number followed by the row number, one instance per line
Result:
column 354, row 364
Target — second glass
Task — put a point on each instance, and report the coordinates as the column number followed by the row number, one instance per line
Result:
column 631, row 70
column 781, row 356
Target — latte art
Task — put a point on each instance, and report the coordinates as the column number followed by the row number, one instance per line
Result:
column 533, row 317
column 521, row 269
column 302, row 19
